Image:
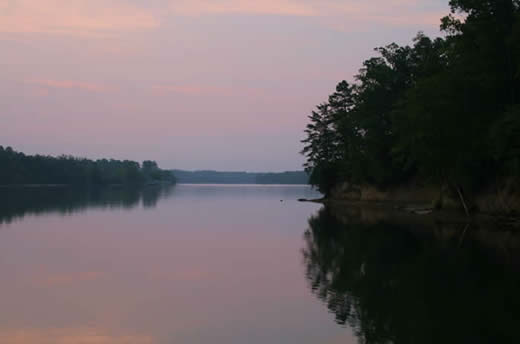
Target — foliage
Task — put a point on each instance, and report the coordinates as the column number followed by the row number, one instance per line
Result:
column 223, row 177
column 443, row 109
column 17, row 168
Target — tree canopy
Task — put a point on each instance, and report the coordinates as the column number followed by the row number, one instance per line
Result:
column 444, row 109
column 18, row 168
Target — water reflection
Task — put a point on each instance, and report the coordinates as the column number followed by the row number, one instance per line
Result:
column 210, row 264
column 15, row 203
column 68, row 336
column 392, row 284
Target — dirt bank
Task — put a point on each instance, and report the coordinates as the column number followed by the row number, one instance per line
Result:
column 500, row 198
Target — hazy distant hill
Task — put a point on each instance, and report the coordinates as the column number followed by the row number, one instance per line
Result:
column 215, row 177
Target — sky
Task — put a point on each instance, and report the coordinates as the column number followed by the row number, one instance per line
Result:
column 192, row 84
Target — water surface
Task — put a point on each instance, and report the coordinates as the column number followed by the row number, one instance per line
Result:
column 242, row 264
column 189, row 264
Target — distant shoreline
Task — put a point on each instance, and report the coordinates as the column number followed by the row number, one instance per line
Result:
column 245, row 178
column 242, row 184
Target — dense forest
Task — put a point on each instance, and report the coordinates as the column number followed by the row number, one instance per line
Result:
column 222, row 177
column 443, row 110
column 17, row 168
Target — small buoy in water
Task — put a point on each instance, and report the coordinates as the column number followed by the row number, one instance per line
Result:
column 281, row 200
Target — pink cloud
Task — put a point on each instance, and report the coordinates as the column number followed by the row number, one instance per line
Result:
column 67, row 336
column 77, row 17
column 203, row 90
column 192, row 90
column 397, row 20
column 67, row 84
column 70, row 278
column 331, row 12
column 270, row 7
column 100, row 18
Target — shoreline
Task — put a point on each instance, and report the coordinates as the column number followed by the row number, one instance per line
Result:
column 421, row 210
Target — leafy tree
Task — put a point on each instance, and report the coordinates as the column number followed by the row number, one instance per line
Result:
column 322, row 148
column 349, row 132
column 444, row 109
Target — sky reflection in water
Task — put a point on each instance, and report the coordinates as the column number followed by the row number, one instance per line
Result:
column 244, row 264
column 194, row 264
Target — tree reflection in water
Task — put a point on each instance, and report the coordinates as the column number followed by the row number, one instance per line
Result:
column 392, row 286
column 18, row 202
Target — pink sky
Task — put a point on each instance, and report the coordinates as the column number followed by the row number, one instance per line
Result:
column 193, row 84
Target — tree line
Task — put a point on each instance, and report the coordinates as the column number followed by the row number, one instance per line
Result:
column 16, row 168
column 445, row 110
column 224, row 177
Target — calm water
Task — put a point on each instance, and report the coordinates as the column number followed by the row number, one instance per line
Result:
column 234, row 264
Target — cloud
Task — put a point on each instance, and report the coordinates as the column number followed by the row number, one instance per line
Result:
column 69, row 279
column 205, row 90
column 102, row 17
column 74, row 17
column 67, row 336
column 396, row 12
column 67, row 84
column 269, row 7
column 192, row 90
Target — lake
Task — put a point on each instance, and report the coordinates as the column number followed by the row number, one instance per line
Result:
column 236, row 264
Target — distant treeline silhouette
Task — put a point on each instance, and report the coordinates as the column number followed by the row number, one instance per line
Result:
column 17, row 168
column 445, row 110
column 216, row 177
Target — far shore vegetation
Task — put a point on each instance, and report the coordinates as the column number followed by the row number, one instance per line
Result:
column 223, row 177
column 20, row 169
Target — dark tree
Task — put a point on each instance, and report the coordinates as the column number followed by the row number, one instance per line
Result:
column 444, row 111
column 17, row 168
